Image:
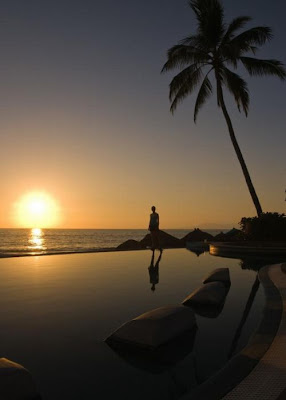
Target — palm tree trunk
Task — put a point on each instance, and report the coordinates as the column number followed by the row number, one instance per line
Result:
column 238, row 151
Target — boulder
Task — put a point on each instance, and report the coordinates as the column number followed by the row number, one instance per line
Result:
column 16, row 382
column 218, row 275
column 220, row 237
column 232, row 235
column 233, row 232
column 130, row 245
column 156, row 327
column 166, row 241
column 212, row 294
column 196, row 236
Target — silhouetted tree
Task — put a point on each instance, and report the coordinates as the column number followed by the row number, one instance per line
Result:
column 212, row 49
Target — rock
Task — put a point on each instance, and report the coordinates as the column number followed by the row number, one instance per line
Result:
column 196, row 236
column 220, row 237
column 166, row 241
column 232, row 235
column 219, row 275
column 155, row 328
column 212, row 294
column 130, row 245
column 233, row 232
column 16, row 382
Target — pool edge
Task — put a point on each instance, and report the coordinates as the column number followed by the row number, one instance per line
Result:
column 238, row 367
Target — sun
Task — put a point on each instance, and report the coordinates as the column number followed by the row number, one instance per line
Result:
column 36, row 210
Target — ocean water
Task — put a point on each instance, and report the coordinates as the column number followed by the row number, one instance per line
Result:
column 15, row 242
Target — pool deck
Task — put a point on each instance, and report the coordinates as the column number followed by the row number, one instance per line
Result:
column 258, row 372
column 267, row 381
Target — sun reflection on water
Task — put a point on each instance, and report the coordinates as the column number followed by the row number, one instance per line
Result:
column 37, row 240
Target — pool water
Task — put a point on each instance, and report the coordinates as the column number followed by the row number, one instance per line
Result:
column 56, row 311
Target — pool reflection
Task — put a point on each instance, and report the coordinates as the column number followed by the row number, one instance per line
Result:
column 65, row 305
column 154, row 271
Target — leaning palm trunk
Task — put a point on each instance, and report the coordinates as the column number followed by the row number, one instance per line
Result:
column 214, row 48
column 238, row 153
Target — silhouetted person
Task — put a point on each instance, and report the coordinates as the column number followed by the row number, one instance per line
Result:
column 154, row 271
column 154, row 229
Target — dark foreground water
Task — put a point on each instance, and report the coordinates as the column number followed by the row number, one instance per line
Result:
column 56, row 311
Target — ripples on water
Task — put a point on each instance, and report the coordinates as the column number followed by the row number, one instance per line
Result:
column 44, row 241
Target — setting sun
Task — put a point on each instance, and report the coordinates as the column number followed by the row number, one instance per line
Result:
column 36, row 210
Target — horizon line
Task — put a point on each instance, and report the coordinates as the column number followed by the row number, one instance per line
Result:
column 142, row 229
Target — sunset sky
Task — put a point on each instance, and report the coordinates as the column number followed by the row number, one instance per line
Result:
column 85, row 118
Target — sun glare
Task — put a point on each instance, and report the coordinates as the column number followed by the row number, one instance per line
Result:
column 36, row 210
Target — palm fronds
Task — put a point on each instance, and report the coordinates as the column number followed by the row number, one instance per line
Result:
column 210, row 15
column 218, row 46
column 181, row 55
column 238, row 88
column 204, row 92
column 184, row 84
column 258, row 67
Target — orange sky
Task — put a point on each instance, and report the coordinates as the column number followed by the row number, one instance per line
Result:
column 85, row 119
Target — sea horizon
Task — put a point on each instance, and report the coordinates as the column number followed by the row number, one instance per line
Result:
column 43, row 241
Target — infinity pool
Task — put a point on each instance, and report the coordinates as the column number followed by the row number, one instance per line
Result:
column 56, row 311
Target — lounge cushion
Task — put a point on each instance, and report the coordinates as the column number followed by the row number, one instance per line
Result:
column 207, row 311
column 159, row 359
column 218, row 275
column 16, row 382
column 156, row 327
column 212, row 294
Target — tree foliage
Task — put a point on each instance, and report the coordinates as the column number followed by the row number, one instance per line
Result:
column 213, row 50
column 267, row 227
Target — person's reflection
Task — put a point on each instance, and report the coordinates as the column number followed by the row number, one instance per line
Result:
column 154, row 270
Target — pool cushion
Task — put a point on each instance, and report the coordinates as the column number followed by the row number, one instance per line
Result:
column 156, row 327
column 212, row 294
column 16, row 382
column 218, row 275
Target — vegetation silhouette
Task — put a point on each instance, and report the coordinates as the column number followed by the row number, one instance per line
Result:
column 215, row 46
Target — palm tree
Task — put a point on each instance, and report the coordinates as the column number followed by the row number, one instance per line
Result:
column 212, row 49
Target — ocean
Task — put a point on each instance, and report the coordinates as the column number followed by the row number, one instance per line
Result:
column 19, row 242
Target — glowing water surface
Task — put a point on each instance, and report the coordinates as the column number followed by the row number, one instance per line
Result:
column 57, row 310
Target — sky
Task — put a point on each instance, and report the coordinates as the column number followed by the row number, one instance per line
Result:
column 85, row 118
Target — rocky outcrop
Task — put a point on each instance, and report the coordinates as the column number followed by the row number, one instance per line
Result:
column 166, row 241
column 230, row 236
column 130, row 245
column 196, row 236
column 220, row 237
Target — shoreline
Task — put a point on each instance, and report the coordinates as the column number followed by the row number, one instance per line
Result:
column 103, row 250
